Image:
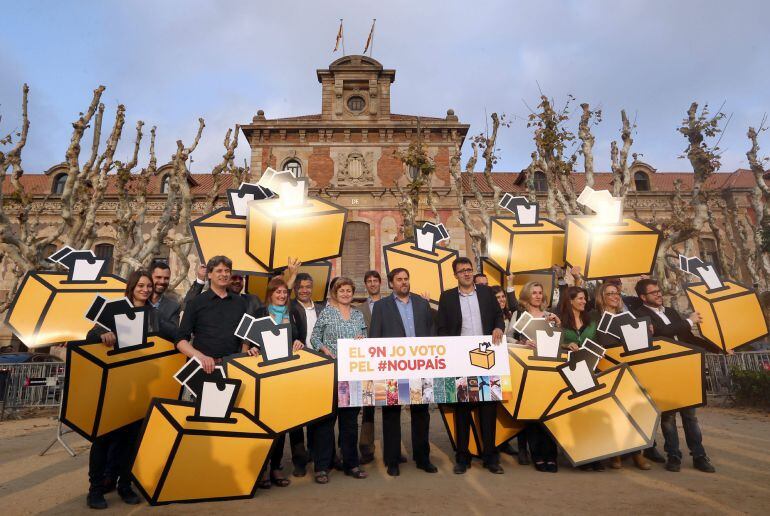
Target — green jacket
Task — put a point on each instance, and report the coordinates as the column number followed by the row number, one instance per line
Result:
column 588, row 332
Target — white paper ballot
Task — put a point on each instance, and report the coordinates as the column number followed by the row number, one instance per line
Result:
column 425, row 240
column 526, row 214
column 547, row 346
column 84, row 271
column 240, row 204
column 710, row 277
column 635, row 338
column 130, row 331
column 275, row 345
column 214, row 402
column 580, row 379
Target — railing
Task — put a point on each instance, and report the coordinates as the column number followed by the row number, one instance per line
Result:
column 31, row 385
column 718, row 381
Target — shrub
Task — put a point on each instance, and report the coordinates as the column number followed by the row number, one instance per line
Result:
column 751, row 388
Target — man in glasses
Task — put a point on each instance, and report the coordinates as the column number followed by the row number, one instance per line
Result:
column 667, row 322
column 472, row 310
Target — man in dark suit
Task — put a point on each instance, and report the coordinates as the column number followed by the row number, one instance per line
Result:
column 667, row 322
column 470, row 309
column 400, row 315
column 165, row 303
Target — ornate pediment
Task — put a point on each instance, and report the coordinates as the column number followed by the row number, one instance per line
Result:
column 355, row 169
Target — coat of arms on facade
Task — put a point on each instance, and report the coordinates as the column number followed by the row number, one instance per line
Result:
column 355, row 169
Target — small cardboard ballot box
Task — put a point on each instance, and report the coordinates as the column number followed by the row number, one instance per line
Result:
column 193, row 461
column 616, row 417
column 311, row 232
column 428, row 272
column 288, row 393
column 525, row 248
column 47, row 309
column 506, row 427
column 221, row 233
column 482, row 357
column 535, row 383
column 319, row 271
column 106, row 390
column 732, row 315
column 673, row 373
column 604, row 250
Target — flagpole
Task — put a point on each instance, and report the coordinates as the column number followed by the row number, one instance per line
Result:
column 371, row 49
column 342, row 29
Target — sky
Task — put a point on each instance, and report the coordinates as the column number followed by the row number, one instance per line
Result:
column 171, row 62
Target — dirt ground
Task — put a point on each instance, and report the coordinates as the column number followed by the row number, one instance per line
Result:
column 737, row 441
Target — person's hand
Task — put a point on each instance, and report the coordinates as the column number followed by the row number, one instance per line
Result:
column 530, row 344
column 207, row 362
column 202, row 272
column 553, row 318
column 695, row 317
column 572, row 346
column 253, row 351
column 297, row 346
column 730, row 351
column 425, row 296
column 497, row 336
column 359, row 337
column 644, row 276
column 509, row 280
column 109, row 339
column 575, row 271
column 326, row 351
column 651, row 328
column 293, row 264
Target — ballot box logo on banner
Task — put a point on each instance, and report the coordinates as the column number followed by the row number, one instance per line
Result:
column 416, row 370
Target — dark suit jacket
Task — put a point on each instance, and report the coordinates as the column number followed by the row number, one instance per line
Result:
column 679, row 328
column 386, row 319
column 298, row 329
column 450, row 315
column 168, row 310
column 302, row 316
column 364, row 309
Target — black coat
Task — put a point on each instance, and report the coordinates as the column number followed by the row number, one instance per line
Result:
column 679, row 328
column 386, row 319
column 197, row 288
column 302, row 316
column 450, row 318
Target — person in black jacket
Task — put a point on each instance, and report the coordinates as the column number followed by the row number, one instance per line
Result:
column 667, row 322
column 277, row 307
column 165, row 303
column 400, row 315
column 470, row 309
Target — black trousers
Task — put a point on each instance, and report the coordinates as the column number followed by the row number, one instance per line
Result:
column 487, row 422
column 391, row 434
column 366, row 439
column 114, row 450
column 541, row 445
column 324, row 443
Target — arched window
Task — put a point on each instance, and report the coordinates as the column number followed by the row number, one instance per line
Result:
column 164, row 184
column 294, row 166
column 642, row 182
column 58, row 183
column 541, row 183
column 104, row 252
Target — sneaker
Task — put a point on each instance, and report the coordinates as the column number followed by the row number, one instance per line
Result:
column 703, row 464
column 654, row 455
column 128, row 495
column 673, row 463
column 95, row 500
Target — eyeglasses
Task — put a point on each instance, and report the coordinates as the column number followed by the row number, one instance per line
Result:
column 653, row 292
column 464, row 271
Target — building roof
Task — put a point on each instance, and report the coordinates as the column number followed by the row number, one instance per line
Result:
column 318, row 118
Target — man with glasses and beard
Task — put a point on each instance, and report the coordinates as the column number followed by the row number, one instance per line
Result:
column 165, row 303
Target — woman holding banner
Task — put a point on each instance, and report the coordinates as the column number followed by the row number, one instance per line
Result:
column 337, row 321
column 542, row 447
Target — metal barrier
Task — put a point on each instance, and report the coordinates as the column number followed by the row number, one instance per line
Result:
column 718, row 381
column 32, row 385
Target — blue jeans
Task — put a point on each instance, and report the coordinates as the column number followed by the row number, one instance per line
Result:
column 692, row 433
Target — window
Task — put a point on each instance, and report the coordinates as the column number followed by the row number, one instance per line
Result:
column 294, row 166
column 164, row 184
column 709, row 253
column 356, row 104
column 642, row 182
column 104, row 252
column 541, row 183
column 58, row 184
column 413, row 171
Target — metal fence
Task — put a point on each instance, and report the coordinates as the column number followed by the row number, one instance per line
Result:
column 718, row 381
column 31, row 385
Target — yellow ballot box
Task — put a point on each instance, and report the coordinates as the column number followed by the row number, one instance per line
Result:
column 516, row 248
column 535, row 382
column 428, row 272
column 221, row 233
column 48, row 309
column 285, row 394
column 672, row 373
column 731, row 316
column 495, row 275
column 616, row 417
column 482, row 358
column 193, row 461
column 603, row 250
column 505, row 429
column 311, row 232
column 319, row 271
column 104, row 390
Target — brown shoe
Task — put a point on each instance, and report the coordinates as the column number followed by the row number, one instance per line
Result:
column 616, row 463
column 641, row 462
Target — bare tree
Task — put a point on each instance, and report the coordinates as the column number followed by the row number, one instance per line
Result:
column 760, row 202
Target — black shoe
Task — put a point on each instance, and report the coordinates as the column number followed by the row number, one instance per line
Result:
column 367, row 458
column 541, row 467
column 673, row 463
column 393, row 470
column 428, row 468
column 460, row 469
column 338, row 464
column 95, row 500
column 402, row 459
column 109, row 485
column 128, row 495
column 585, row 467
column 703, row 464
column 299, row 470
column 551, row 467
column 654, row 455
column 497, row 469
column 597, row 466
column 507, row 448
column 523, row 457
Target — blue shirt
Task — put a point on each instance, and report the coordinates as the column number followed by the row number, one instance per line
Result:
column 407, row 315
